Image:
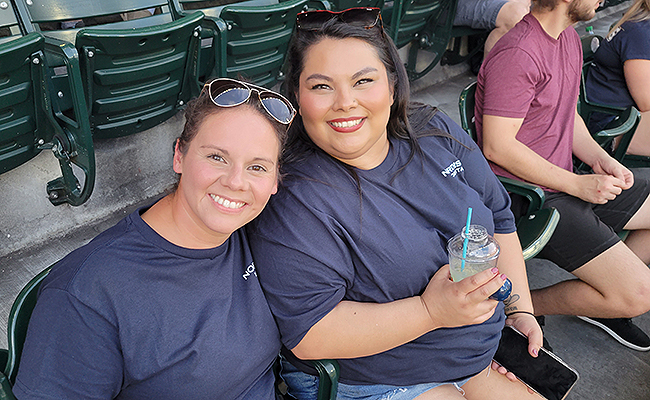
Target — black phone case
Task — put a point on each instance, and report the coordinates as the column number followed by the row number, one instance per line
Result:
column 547, row 374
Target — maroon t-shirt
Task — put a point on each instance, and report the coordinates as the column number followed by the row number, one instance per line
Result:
column 529, row 74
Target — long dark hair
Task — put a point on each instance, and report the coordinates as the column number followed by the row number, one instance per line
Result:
column 399, row 126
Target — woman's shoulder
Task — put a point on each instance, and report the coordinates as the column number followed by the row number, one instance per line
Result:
column 631, row 40
column 83, row 265
column 315, row 172
column 314, row 187
column 440, row 127
column 631, row 32
column 642, row 26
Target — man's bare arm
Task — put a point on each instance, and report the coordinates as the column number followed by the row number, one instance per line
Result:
column 501, row 146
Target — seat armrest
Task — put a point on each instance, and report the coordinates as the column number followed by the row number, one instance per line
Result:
column 5, row 388
column 628, row 119
column 625, row 128
column 535, row 230
column 533, row 193
column 328, row 378
column 602, row 108
column 74, row 145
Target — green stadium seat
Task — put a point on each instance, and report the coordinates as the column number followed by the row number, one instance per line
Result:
column 136, row 73
column 454, row 53
column 19, row 315
column 340, row 5
column 622, row 127
column 328, row 378
column 28, row 122
column 251, row 39
column 256, row 40
column 590, row 44
column 9, row 26
column 609, row 3
column 536, row 227
column 211, row 25
column 425, row 25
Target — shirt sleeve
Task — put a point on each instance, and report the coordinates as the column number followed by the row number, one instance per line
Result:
column 635, row 43
column 70, row 352
column 508, row 83
column 478, row 174
column 293, row 236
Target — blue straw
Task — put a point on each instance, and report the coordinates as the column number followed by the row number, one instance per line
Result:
column 469, row 219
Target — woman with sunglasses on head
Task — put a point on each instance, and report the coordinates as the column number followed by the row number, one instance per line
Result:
column 167, row 304
column 352, row 250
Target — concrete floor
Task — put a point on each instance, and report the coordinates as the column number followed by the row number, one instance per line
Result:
column 607, row 369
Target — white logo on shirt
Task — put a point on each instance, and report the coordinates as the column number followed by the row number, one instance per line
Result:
column 611, row 36
column 249, row 270
column 453, row 169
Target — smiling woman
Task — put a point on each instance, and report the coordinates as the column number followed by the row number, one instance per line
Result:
column 161, row 305
column 345, row 107
column 226, row 179
column 373, row 187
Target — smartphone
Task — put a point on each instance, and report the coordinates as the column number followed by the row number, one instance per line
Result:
column 547, row 374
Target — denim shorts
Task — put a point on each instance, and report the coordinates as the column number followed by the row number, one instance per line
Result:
column 305, row 387
column 481, row 14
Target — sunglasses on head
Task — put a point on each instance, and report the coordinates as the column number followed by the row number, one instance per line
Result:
column 226, row 92
column 362, row 17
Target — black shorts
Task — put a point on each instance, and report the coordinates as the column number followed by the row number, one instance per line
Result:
column 585, row 230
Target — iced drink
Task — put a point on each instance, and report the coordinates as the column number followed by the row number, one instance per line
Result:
column 482, row 253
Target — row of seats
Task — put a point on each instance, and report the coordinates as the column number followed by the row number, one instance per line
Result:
column 63, row 88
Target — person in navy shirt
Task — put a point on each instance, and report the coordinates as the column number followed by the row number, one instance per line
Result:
column 351, row 252
column 620, row 75
column 167, row 304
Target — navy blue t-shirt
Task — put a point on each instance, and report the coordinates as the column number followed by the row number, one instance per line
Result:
column 605, row 83
column 132, row 316
column 319, row 242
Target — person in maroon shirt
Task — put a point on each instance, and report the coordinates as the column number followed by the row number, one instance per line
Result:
column 529, row 130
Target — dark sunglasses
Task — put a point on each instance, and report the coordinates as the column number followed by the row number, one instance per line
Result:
column 226, row 92
column 362, row 17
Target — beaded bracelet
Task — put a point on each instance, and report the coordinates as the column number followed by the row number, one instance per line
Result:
column 520, row 312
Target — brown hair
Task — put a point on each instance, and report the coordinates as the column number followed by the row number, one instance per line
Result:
column 548, row 5
column 202, row 107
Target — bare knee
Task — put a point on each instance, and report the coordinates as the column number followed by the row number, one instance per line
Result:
column 637, row 300
column 621, row 279
column 632, row 299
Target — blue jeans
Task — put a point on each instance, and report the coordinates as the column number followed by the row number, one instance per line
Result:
column 305, row 387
